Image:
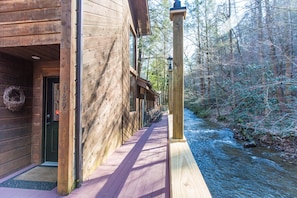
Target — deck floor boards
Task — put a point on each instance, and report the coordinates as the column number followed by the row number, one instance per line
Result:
column 139, row 168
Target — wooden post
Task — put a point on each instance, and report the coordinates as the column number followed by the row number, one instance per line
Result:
column 66, row 181
column 170, row 91
column 177, row 15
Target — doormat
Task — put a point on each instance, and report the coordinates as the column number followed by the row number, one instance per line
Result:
column 38, row 178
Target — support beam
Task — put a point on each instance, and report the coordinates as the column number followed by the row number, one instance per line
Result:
column 177, row 15
column 66, row 181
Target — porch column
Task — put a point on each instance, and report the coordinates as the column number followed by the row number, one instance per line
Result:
column 177, row 15
column 66, row 179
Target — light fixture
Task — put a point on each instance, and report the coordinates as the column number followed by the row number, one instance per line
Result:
column 169, row 61
column 35, row 57
column 177, row 4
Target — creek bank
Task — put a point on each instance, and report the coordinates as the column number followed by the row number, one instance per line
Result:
column 239, row 172
column 286, row 145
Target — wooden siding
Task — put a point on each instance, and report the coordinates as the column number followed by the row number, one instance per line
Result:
column 41, row 69
column 31, row 22
column 15, row 127
column 106, row 77
column 130, row 119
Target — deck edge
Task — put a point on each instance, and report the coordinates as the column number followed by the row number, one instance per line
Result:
column 186, row 179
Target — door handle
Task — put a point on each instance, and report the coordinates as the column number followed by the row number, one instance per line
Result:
column 48, row 119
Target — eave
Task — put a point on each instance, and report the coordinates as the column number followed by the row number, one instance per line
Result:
column 146, row 85
column 140, row 14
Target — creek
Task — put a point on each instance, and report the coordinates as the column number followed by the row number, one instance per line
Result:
column 233, row 171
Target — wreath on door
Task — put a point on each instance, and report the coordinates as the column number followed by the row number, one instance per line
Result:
column 14, row 98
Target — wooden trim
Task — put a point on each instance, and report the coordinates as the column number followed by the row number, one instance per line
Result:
column 41, row 69
column 181, row 11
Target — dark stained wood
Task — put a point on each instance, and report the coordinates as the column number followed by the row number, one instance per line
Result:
column 7, row 134
column 43, row 27
column 15, row 143
column 45, row 52
column 16, row 153
column 32, row 22
column 5, row 113
column 46, row 39
column 48, row 14
column 15, row 165
column 20, row 5
column 15, row 127
column 141, row 16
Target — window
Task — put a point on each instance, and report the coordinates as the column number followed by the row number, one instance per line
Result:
column 132, row 45
column 132, row 92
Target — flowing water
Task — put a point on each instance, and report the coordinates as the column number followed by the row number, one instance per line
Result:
column 233, row 171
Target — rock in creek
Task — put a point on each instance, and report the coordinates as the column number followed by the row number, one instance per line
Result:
column 250, row 144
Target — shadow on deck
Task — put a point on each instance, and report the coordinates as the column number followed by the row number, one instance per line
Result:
column 139, row 168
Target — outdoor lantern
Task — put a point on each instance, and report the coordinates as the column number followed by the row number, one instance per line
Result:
column 169, row 61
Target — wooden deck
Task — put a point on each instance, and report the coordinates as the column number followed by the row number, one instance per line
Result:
column 139, row 168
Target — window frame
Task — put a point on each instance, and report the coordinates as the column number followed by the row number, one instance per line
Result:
column 132, row 49
column 132, row 93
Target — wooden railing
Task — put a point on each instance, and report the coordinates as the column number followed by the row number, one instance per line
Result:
column 186, row 179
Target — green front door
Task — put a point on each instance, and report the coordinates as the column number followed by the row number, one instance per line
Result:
column 51, row 119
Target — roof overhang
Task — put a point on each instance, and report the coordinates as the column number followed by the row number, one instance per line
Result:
column 141, row 82
column 140, row 14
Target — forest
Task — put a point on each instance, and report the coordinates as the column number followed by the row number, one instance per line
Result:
column 240, row 63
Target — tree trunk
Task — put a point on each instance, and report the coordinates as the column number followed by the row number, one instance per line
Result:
column 274, row 61
column 231, row 58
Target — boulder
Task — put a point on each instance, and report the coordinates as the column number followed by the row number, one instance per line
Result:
column 250, row 144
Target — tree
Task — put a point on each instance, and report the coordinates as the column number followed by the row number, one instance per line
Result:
column 156, row 47
column 244, row 63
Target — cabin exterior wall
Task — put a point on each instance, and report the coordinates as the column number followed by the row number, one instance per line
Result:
column 15, row 127
column 106, row 120
column 30, row 22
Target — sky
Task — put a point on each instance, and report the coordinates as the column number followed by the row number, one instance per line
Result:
column 235, row 18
